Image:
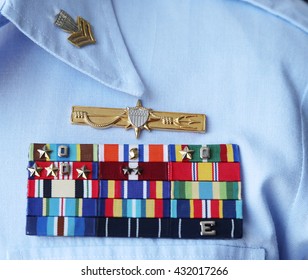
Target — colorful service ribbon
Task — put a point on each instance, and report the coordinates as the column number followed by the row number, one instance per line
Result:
column 130, row 227
column 154, row 191
column 135, row 208
column 133, row 189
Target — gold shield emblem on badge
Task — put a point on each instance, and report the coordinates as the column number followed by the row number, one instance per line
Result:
column 138, row 118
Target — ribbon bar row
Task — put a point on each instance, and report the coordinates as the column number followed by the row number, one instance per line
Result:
column 134, row 227
column 161, row 171
column 133, row 189
column 134, row 153
column 135, row 208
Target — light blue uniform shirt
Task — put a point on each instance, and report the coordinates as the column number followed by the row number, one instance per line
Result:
column 243, row 63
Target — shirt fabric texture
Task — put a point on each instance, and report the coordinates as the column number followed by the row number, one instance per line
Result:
column 242, row 63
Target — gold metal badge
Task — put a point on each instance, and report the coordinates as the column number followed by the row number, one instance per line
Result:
column 44, row 152
column 52, row 170
column 138, row 118
column 83, row 172
column 35, row 170
column 186, row 153
column 133, row 153
column 81, row 31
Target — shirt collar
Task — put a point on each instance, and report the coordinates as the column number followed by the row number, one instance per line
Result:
column 107, row 61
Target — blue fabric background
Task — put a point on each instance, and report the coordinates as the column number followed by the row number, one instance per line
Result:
column 243, row 63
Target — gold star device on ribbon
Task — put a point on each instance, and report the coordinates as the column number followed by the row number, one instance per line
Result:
column 81, row 32
column 44, row 152
column 138, row 118
column 83, row 172
column 186, row 153
column 35, row 170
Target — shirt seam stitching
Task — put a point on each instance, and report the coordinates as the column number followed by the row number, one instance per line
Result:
column 300, row 179
column 2, row 5
column 109, row 256
column 113, row 45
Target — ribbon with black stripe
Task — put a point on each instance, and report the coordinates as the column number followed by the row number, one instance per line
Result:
column 134, row 227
